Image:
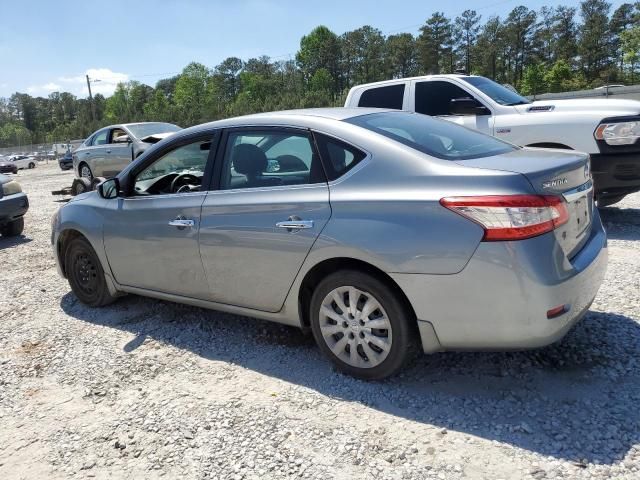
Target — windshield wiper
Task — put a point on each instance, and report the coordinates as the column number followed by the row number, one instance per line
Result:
column 519, row 102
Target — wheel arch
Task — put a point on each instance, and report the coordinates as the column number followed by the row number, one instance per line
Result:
column 319, row 271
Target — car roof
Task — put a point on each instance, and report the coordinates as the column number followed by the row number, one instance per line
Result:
column 301, row 117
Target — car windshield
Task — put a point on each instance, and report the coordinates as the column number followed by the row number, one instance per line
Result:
column 142, row 130
column 435, row 137
column 497, row 92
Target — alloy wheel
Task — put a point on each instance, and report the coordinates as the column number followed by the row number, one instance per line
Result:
column 85, row 172
column 355, row 327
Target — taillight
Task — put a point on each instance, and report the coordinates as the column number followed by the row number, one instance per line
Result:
column 511, row 217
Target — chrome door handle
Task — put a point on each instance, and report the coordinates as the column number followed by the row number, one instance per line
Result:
column 182, row 223
column 295, row 224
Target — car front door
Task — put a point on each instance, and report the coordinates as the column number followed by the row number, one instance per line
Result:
column 118, row 154
column 94, row 155
column 433, row 97
column 258, row 225
column 151, row 231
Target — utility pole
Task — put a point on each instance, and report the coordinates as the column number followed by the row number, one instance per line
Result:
column 93, row 107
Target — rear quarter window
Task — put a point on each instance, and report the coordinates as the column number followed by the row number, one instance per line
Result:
column 390, row 96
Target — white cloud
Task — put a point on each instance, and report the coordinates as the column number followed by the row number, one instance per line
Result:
column 45, row 89
column 103, row 80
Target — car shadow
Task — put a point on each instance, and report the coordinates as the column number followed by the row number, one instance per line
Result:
column 553, row 401
column 621, row 223
column 9, row 242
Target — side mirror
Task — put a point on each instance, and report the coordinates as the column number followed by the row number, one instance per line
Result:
column 467, row 106
column 109, row 188
column 122, row 139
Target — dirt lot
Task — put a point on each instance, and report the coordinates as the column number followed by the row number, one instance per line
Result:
column 146, row 389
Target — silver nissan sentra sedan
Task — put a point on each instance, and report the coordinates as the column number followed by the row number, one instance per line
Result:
column 382, row 232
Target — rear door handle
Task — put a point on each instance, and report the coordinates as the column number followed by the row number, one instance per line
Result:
column 295, row 224
column 182, row 223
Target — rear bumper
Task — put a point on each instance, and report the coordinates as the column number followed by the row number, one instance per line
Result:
column 13, row 207
column 501, row 298
column 616, row 173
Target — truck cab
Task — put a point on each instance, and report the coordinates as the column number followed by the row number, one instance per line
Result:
column 607, row 129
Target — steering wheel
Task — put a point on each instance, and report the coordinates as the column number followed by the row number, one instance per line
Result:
column 183, row 180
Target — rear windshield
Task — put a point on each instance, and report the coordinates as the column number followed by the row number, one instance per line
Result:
column 435, row 137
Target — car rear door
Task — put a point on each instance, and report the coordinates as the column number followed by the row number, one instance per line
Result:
column 270, row 205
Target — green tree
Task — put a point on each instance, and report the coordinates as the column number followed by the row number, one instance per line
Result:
column 401, row 55
column 630, row 40
column 468, row 24
column 320, row 49
column 533, row 80
column 434, row 44
column 190, row 94
column 595, row 39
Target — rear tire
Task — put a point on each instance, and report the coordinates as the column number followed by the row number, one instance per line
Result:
column 85, row 274
column 32, row 165
column 13, row 228
column 373, row 320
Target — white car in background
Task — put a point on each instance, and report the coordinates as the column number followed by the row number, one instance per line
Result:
column 607, row 129
column 23, row 161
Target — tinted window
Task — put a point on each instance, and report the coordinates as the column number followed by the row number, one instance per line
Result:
column 433, row 98
column 435, row 137
column 383, row 97
column 268, row 159
column 339, row 157
column 497, row 92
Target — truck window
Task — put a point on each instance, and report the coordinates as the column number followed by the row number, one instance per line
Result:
column 383, row 97
column 433, row 98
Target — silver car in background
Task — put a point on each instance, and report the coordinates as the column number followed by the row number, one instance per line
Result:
column 382, row 232
column 109, row 150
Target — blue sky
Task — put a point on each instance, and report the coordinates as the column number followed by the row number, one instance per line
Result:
column 50, row 45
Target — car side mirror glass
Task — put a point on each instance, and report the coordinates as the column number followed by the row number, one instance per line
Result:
column 467, row 106
column 109, row 188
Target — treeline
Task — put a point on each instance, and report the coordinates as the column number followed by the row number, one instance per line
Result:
column 554, row 49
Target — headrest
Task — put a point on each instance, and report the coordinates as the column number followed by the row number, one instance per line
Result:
column 249, row 160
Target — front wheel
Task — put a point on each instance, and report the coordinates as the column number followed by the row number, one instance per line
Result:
column 32, row 165
column 13, row 229
column 362, row 325
column 85, row 274
column 85, row 172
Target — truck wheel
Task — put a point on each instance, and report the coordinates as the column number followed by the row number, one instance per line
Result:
column 13, row 229
column 80, row 185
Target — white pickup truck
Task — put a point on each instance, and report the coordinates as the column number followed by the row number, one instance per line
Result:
column 607, row 129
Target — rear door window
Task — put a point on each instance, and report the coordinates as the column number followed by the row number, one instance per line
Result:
column 390, row 96
column 339, row 157
column 434, row 97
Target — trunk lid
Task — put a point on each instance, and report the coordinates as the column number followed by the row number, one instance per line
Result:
column 553, row 172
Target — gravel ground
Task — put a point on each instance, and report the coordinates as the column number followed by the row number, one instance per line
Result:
column 146, row 389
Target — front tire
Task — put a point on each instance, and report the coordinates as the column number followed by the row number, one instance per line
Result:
column 362, row 325
column 85, row 172
column 13, row 228
column 85, row 274
column 32, row 165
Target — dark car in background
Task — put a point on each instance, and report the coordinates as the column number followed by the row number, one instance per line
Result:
column 7, row 166
column 13, row 205
column 66, row 161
